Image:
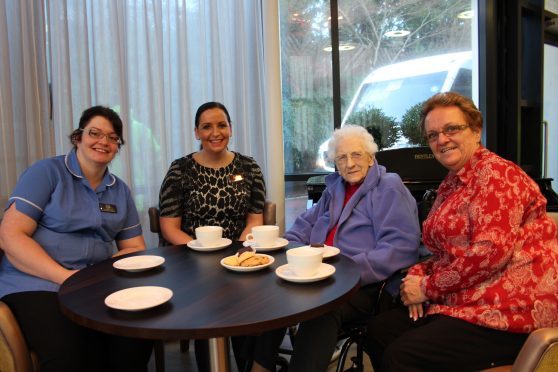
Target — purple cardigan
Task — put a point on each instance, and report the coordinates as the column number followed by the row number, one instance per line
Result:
column 378, row 228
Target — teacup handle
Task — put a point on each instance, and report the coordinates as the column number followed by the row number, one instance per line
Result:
column 250, row 238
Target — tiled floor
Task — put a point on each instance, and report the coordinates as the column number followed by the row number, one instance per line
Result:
column 176, row 361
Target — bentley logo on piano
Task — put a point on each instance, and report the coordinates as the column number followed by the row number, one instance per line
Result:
column 424, row 156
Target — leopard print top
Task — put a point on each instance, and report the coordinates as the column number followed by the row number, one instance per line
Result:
column 208, row 196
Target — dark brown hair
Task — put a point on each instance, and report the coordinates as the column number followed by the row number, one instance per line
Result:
column 208, row 106
column 92, row 112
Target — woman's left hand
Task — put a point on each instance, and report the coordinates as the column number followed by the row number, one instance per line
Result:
column 416, row 311
column 252, row 219
column 411, row 290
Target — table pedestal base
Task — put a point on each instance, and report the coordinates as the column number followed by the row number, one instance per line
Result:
column 219, row 354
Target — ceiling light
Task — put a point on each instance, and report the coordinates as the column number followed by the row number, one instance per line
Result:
column 342, row 47
column 397, row 33
column 467, row 14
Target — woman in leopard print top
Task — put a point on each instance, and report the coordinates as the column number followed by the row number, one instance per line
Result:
column 213, row 186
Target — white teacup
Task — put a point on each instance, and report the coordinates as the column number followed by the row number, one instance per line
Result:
column 209, row 236
column 264, row 235
column 304, row 261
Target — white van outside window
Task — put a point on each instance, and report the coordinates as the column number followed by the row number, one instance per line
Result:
column 398, row 88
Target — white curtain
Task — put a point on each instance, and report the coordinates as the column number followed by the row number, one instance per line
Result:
column 25, row 131
column 155, row 62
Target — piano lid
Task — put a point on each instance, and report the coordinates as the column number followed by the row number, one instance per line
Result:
column 420, row 172
column 416, row 164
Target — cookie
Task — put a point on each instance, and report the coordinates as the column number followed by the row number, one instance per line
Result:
column 231, row 261
column 255, row 260
column 245, row 256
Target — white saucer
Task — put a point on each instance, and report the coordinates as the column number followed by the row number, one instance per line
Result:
column 324, row 271
column 196, row 246
column 328, row 251
column 138, row 298
column 248, row 268
column 138, row 263
column 279, row 243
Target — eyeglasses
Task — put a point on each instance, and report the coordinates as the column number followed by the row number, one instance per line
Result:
column 448, row 131
column 98, row 135
column 355, row 155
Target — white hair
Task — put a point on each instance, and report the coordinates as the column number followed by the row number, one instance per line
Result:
column 348, row 131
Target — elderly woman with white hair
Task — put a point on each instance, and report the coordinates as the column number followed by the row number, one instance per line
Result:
column 371, row 217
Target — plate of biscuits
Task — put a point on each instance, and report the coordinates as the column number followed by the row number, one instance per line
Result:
column 247, row 260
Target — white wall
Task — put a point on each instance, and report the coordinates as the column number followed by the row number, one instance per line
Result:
column 550, row 111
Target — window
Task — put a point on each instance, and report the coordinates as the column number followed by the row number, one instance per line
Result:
column 382, row 50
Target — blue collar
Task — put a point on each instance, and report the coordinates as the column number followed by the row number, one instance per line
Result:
column 72, row 164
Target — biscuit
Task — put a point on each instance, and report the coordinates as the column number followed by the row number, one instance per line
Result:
column 246, row 259
column 231, row 261
column 255, row 260
column 244, row 256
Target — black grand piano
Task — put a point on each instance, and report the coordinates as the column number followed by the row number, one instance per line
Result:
column 422, row 174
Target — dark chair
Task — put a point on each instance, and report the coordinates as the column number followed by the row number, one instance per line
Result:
column 355, row 334
column 154, row 225
column 352, row 334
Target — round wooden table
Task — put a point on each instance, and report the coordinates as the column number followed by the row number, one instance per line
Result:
column 209, row 301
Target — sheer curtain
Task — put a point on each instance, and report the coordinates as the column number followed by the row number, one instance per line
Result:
column 25, row 131
column 155, row 62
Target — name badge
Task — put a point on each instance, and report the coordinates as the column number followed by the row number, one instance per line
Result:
column 107, row 208
column 235, row 178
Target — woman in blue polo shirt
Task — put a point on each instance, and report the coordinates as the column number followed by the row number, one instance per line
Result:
column 65, row 214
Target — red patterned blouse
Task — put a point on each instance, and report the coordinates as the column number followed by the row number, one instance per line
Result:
column 495, row 260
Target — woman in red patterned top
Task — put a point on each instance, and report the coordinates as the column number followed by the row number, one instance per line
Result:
column 493, row 274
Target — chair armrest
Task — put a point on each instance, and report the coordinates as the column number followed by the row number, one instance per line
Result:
column 13, row 349
column 270, row 213
column 154, row 226
column 541, row 347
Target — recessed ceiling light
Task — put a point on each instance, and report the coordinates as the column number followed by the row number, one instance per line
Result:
column 397, row 33
column 468, row 14
column 342, row 47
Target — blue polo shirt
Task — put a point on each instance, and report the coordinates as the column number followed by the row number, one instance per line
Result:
column 71, row 227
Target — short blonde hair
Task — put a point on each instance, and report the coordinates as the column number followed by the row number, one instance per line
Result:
column 348, row 131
